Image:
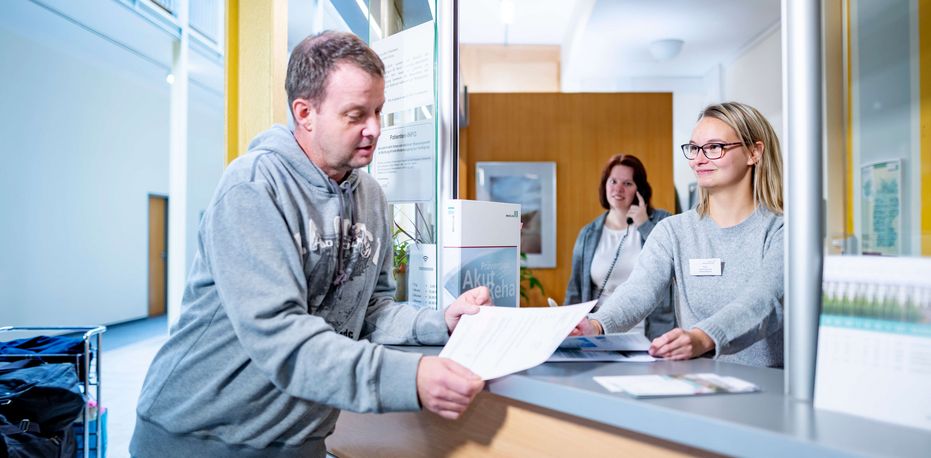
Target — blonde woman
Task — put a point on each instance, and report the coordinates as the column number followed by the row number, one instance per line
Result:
column 725, row 257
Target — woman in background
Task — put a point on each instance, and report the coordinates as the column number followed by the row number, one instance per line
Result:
column 725, row 257
column 607, row 249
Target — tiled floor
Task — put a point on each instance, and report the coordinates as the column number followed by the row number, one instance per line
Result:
column 128, row 350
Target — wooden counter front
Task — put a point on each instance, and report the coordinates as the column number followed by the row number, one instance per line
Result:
column 493, row 426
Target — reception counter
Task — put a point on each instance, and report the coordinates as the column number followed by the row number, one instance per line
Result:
column 557, row 409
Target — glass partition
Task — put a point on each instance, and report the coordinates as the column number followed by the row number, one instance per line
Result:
column 403, row 32
column 886, row 202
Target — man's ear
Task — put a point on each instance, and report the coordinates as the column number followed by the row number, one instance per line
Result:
column 756, row 153
column 303, row 113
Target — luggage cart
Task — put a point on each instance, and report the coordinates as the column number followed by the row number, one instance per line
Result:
column 86, row 362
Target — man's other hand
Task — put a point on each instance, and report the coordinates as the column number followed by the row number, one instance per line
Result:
column 467, row 304
column 445, row 387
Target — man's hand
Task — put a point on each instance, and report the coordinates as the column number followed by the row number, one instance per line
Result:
column 587, row 327
column 467, row 304
column 445, row 387
column 681, row 344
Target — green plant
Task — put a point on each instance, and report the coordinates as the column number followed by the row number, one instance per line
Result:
column 527, row 277
column 401, row 245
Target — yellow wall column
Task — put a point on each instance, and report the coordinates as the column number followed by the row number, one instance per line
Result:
column 924, row 58
column 256, row 64
column 848, row 109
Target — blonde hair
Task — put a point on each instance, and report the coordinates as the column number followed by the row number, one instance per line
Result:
column 752, row 127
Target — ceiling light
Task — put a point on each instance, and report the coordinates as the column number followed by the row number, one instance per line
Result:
column 666, row 49
column 507, row 12
column 170, row 79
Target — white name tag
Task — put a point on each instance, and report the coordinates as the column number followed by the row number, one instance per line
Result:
column 702, row 267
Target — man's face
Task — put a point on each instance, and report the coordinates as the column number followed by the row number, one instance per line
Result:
column 345, row 125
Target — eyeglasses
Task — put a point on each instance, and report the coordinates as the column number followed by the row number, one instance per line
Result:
column 710, row 150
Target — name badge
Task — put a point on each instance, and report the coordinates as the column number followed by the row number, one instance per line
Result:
column 705, row 267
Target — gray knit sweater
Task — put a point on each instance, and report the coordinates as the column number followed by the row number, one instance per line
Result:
column 741, row 310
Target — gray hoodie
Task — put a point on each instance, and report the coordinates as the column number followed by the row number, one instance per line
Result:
column 278, row 318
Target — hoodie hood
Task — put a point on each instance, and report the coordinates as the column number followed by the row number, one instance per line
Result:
column 281, row 140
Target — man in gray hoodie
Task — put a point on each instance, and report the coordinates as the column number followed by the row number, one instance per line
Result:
column 290, row 293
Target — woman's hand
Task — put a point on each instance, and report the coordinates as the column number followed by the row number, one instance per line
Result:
column 681, row 344
column 638, row 212
column 587, row 327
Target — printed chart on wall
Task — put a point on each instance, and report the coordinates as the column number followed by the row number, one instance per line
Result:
column 874, row 341
column 880, row 216
column 404, row 158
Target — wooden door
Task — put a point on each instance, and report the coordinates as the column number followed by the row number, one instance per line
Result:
column 158, row 254
column 579, row 132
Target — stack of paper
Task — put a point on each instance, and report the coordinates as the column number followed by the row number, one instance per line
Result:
column 675, row 385
column 633, row 341
column 627, row 347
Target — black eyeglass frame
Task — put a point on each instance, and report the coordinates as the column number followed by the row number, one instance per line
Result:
column 701, row 149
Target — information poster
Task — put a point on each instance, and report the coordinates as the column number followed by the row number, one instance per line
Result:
column 880, row 223
column 404, row 162
column 874, row 341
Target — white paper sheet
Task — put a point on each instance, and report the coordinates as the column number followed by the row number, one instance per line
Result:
column 499, row 341
column 633, row 341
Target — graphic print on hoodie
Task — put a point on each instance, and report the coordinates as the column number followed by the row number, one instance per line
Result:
column 359, row 247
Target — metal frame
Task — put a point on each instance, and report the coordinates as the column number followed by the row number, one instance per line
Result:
column 804, row 216
column 447, row 112
column 95, row 332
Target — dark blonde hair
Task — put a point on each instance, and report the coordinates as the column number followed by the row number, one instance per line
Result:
column 751, row 126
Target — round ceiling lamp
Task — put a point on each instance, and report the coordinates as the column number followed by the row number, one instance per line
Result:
column 666, row 49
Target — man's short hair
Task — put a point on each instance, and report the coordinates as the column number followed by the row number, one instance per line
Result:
column 315, row 58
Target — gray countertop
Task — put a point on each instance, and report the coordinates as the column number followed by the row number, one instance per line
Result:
column 766, row 423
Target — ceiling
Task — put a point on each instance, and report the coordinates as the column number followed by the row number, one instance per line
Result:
column 610, row 38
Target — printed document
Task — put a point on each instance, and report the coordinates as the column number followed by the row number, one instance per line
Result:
column 498, row 341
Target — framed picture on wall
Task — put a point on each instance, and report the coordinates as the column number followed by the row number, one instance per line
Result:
column 533, row 186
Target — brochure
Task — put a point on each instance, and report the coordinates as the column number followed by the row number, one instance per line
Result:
column 642, row 386
column 573, row 356
column 633, row 341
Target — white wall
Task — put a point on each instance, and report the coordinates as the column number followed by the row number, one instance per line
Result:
column 206, row 158
column 754, row 77
column 84, row 123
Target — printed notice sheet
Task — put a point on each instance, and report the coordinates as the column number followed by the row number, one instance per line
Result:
column 499, row 341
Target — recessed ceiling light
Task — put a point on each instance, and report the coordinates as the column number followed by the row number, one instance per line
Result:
column 666, row 49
